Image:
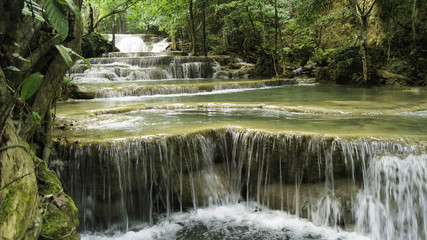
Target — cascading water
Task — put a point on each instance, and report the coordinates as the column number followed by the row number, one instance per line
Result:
column 393, row 202
column 165, row 152
column 330, row 181
column 130, row 44
column 139, row 43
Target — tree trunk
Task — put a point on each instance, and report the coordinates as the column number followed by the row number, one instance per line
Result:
column 113, row 30
column 119, row 24
column 205, row 50
column 363, row 11
column 276, row 25
column 276, row 35
column 91, row 24
column 193, row 30
column 363, row 50
column 22, row 216
column 173, row 45
column 413, row 20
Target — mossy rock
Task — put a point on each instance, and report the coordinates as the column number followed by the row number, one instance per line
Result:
column 94, row 45
column 16, row 202
column 60, row 215
column 322, row 74
column 60, row 222
column 72, row 91
column 19, row 200
column 401, row 67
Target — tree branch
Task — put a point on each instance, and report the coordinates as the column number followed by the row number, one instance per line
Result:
column 14, row 180
column 125, row 6
column 372, row 7
column 13, row 146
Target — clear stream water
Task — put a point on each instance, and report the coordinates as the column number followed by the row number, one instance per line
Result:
column 302, row 161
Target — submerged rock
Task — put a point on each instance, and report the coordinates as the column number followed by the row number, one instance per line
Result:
column 73, row 91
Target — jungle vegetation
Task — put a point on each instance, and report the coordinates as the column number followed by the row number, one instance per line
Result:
column 345, row 38
column 360, row 42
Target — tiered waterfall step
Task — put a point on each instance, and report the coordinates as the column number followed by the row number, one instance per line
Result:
column 148, row 88
column 164, row 135
column 136, row 68
column 118, row 66
column 323, row 178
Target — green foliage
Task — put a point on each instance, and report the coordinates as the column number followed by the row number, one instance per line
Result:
column 36, row 118
column 66, row 54
column 67, row 80
column 56, row 14
column 73, row 7
column 16, row 55
column 13, row 69
column 57, row 17
column 281, row 32
column 299, row 53
column 323, row 57
column 31, row 85
column 31, row 8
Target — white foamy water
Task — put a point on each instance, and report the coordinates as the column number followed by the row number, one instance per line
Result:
column 235, row 221
column 160, row 46
column 416, row 113
column 215, row 92
column 131, row 44
column 393, row 204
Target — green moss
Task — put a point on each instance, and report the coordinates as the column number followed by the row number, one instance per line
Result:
column 17, row 202
column 7, row 203
column 60, row 223
column 50, row 183
column 94, row 45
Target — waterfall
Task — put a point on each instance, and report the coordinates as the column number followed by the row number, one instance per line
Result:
column 130, row 43
column 203, row 159
column 147, row 67
column 160, row 46
column 145, row 92
column 393, row 204
column 186, row 89
column 134, row 44
column 377, row 187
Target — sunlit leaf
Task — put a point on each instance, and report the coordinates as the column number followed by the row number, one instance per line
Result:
column 34, row 5
column 57, row 17
column 73, row 8
column 21, row 58
column 13, row 68
column 65, row 53
column 31, row 85
column 67, row 80
column 27, row 11
column 36, row 118
column 82, row 58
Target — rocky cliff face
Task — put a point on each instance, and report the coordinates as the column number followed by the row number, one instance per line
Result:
column 32, row 202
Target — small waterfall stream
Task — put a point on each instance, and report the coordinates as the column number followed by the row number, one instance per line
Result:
column 153, row 157
column 376, row 187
